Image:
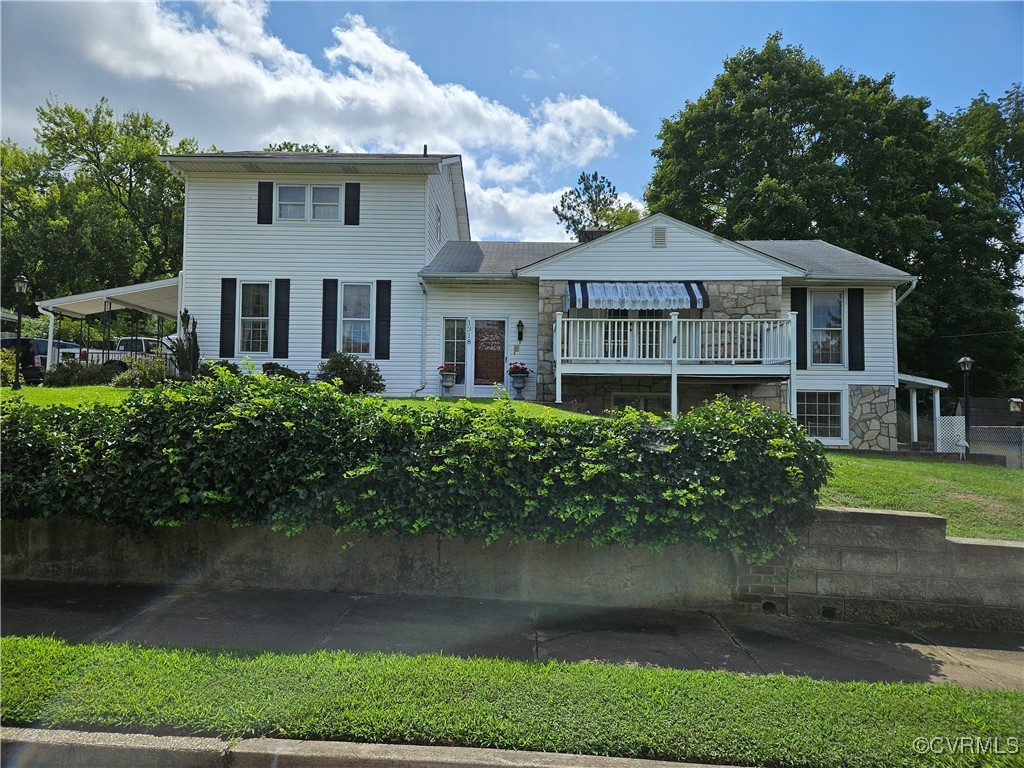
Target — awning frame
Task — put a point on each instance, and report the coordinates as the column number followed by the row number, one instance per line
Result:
column 664, row 295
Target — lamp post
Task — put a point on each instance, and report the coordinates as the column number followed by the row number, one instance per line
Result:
column 965, row 365
column 20, row 287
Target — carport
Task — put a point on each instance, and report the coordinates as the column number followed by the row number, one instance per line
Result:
column 161, row 298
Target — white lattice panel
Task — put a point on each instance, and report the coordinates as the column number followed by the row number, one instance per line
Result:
column 951, row 431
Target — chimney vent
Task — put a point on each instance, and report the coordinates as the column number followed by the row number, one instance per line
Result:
column 424, row 150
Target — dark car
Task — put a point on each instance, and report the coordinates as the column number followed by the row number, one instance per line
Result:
column 33, row 355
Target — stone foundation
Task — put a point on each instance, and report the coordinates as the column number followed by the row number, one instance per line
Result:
column 872, row 418
column 593, row 394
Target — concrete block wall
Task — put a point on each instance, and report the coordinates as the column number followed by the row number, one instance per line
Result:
column 883, row 567
column 856, row 565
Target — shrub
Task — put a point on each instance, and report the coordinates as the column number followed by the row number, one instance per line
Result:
column 357, row 376
column 78, row 375
column 8, row 361
column 211, row 369
column 284, row 372
column 270, row 451
column 142, row 373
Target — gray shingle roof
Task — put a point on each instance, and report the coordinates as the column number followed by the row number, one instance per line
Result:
column 822, row 259
column 490, row 258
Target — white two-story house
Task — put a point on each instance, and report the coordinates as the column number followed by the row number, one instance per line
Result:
column 290, row 257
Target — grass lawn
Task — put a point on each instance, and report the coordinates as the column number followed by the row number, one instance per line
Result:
column 442, row 700
column 984, row 502
column 67, row 395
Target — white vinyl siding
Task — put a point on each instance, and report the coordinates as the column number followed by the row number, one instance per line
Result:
column 688, row 254
column 224, row 240
column 439, row 215
column 509, row 302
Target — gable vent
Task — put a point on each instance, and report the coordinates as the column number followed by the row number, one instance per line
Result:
column 659, row 237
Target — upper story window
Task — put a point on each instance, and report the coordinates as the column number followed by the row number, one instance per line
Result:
column 308, row 203
column 827, row 327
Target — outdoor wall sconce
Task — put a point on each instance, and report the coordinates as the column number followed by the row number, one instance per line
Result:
column 519, row 327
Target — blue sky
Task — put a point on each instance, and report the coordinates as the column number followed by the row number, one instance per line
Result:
column 530, row 93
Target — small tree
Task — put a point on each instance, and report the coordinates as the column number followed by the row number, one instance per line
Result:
column 185, row 348
column 593, row 203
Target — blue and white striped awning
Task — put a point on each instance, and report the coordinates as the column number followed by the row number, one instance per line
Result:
column 690, row 294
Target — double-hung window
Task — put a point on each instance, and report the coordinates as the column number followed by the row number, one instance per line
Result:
column 827, row 327
column 308, row 203
column 355, row 318
column 254, row 318
column 821, row 413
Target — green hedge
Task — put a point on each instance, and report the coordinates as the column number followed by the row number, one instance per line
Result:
column 262, row 451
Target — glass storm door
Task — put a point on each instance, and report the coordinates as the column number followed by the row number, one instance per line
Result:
column 488, row 356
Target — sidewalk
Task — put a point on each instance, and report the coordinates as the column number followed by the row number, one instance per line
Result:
column 295, row 621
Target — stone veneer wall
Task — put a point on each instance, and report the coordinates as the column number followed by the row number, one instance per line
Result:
column 872, row 417
column 883, row 567
column 551, row 299
column 749, row 299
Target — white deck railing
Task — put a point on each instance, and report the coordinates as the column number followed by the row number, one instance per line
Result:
column 696, row 341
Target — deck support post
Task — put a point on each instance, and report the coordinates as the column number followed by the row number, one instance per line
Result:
column 936, row 411
column 556, row 356
column 674, row 361
column 913, row 417
column 793, row 341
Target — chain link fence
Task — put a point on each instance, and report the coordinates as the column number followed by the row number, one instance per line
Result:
column 1000, row 441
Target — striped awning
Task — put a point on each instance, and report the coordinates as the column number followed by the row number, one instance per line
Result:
column 689, row 294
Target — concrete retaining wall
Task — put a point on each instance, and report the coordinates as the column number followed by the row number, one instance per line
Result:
column 857, row 565
column 216, row 555
column 884, row 567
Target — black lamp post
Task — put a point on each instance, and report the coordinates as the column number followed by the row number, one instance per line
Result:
column 20, row 287
column 965, row 366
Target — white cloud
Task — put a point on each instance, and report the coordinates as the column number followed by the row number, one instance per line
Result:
column 227, row 80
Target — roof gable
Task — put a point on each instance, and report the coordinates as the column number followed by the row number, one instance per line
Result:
column 687, row 253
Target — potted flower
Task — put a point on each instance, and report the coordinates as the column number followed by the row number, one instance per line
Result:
column 448, row 373
column 517, row 373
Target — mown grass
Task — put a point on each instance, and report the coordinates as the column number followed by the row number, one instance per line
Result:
column 74, row 396
column 594, row 709
column 977, row 501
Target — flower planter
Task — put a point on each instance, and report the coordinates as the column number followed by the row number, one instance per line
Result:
column 518, row 384
column 447, row 382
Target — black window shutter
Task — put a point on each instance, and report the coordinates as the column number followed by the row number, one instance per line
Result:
column 351, row 203
column 855, row 317
column 798, row 304
column 282, row 291
column 329, row 332
column 382, row 332
column 265, row 203
column 228, row 288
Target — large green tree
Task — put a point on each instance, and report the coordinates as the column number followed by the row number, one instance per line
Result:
column 778, row 148
column 92, row 206
column 593, row 203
